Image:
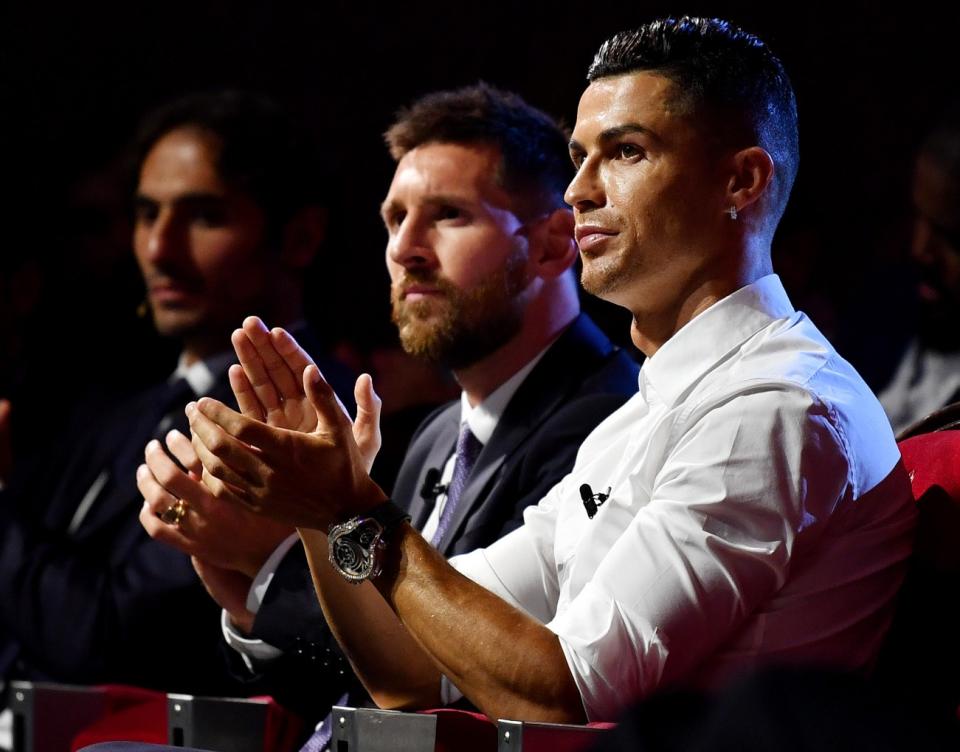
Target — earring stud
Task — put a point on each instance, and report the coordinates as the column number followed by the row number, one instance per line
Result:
column 732, row 211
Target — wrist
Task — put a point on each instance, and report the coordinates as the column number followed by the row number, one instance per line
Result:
column 241, row 621
column 358, row 547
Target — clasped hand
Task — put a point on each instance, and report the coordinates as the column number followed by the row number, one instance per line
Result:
column 292, row 453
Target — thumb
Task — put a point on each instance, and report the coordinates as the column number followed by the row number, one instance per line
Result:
column 330, row 411
column 366, row 428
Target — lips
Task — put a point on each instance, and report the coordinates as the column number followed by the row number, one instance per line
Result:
column 419, row 292
column 420, row 286
column 591, row 236
column 172, row 291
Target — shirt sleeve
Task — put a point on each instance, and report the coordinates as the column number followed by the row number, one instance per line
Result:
column 741, row 480
column 253, row 651
column 520, row 567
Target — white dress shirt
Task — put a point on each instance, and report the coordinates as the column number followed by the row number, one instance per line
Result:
column 733, row 534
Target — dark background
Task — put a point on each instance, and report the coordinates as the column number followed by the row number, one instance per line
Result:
column 77, row 77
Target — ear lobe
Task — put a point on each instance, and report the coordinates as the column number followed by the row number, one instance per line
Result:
column 753, row 172
column 552, row 244
column 303, row 236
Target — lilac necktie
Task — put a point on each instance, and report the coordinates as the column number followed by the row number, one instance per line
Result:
column 320, row 738
column 468, row 449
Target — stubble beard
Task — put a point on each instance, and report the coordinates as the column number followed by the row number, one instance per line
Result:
column 457, row 328
column 604, row 275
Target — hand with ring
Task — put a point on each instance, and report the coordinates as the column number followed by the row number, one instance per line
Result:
column 174, row 513
column 179, row 510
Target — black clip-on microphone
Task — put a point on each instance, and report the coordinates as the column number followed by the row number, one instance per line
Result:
column 432, row 487
column 591, row 500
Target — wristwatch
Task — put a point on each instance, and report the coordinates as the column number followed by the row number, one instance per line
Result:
column 357, row 545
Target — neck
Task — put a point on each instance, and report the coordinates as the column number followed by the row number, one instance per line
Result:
column 202, row 344
column 652, row 328
column 544, row 319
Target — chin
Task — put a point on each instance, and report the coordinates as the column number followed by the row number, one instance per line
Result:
column 177, row 324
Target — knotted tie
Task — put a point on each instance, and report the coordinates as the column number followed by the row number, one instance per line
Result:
column 468, row 449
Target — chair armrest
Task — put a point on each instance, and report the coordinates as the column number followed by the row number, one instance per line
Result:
column 526, row 736
column 46, row 716
column 371, row 730
column 255, row 724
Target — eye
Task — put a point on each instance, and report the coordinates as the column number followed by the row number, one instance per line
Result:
column 449, row 213
column 629, row 151
column 209, row 216
column 144, row 213
column 392, row 220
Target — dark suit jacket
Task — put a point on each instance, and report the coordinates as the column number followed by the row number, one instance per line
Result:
column 104, row 602
column 579, row 381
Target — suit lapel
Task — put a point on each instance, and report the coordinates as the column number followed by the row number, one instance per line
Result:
column 120, row 494
column 433, row 448
column 558, row 374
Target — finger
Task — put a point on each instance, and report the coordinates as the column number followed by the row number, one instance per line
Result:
column 253, row 366
column 181, row 448
column 285, row 379
column 230, row 494
column 366, row 428
column 246, row 395
column 155, row 496
column 296, row 358
column 237, row 425
column 331, row 413
column 171, row 535
column 222, row 455
column 171, row 477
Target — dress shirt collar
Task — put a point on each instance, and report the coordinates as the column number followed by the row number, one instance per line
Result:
column 707, row 338
column 203, row 374
column 483, row 418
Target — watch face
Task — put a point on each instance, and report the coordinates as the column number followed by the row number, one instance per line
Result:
column 354, row 548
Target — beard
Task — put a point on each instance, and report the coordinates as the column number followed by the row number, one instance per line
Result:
column 603, row 276
column 457, row 328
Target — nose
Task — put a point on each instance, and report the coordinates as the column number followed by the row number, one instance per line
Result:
column 585, row 191
column 409, row 246
column 160, row 239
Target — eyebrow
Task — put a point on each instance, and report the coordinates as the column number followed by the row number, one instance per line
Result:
column 440, row 199
column 612, row 134
column 196, row 197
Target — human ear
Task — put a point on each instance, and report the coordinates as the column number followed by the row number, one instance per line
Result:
column 552, row 246
column 303, row 235
column 751, row 175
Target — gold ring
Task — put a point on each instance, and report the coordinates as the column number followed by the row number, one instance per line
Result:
column 174, row 513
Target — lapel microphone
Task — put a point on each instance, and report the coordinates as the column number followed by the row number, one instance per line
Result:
column 591, row 500
column 432, row 487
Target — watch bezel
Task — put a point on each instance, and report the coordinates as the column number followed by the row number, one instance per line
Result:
column 373, row 563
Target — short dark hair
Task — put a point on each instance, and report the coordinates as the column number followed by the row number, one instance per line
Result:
column 263, row 151
column 535, row 163
column 718, row 68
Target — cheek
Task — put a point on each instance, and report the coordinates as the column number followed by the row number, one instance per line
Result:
column 226, row 256
column 140, row 240
column 394, row 270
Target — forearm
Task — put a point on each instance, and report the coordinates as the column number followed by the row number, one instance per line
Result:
column 508, row 664
column 394, row 669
